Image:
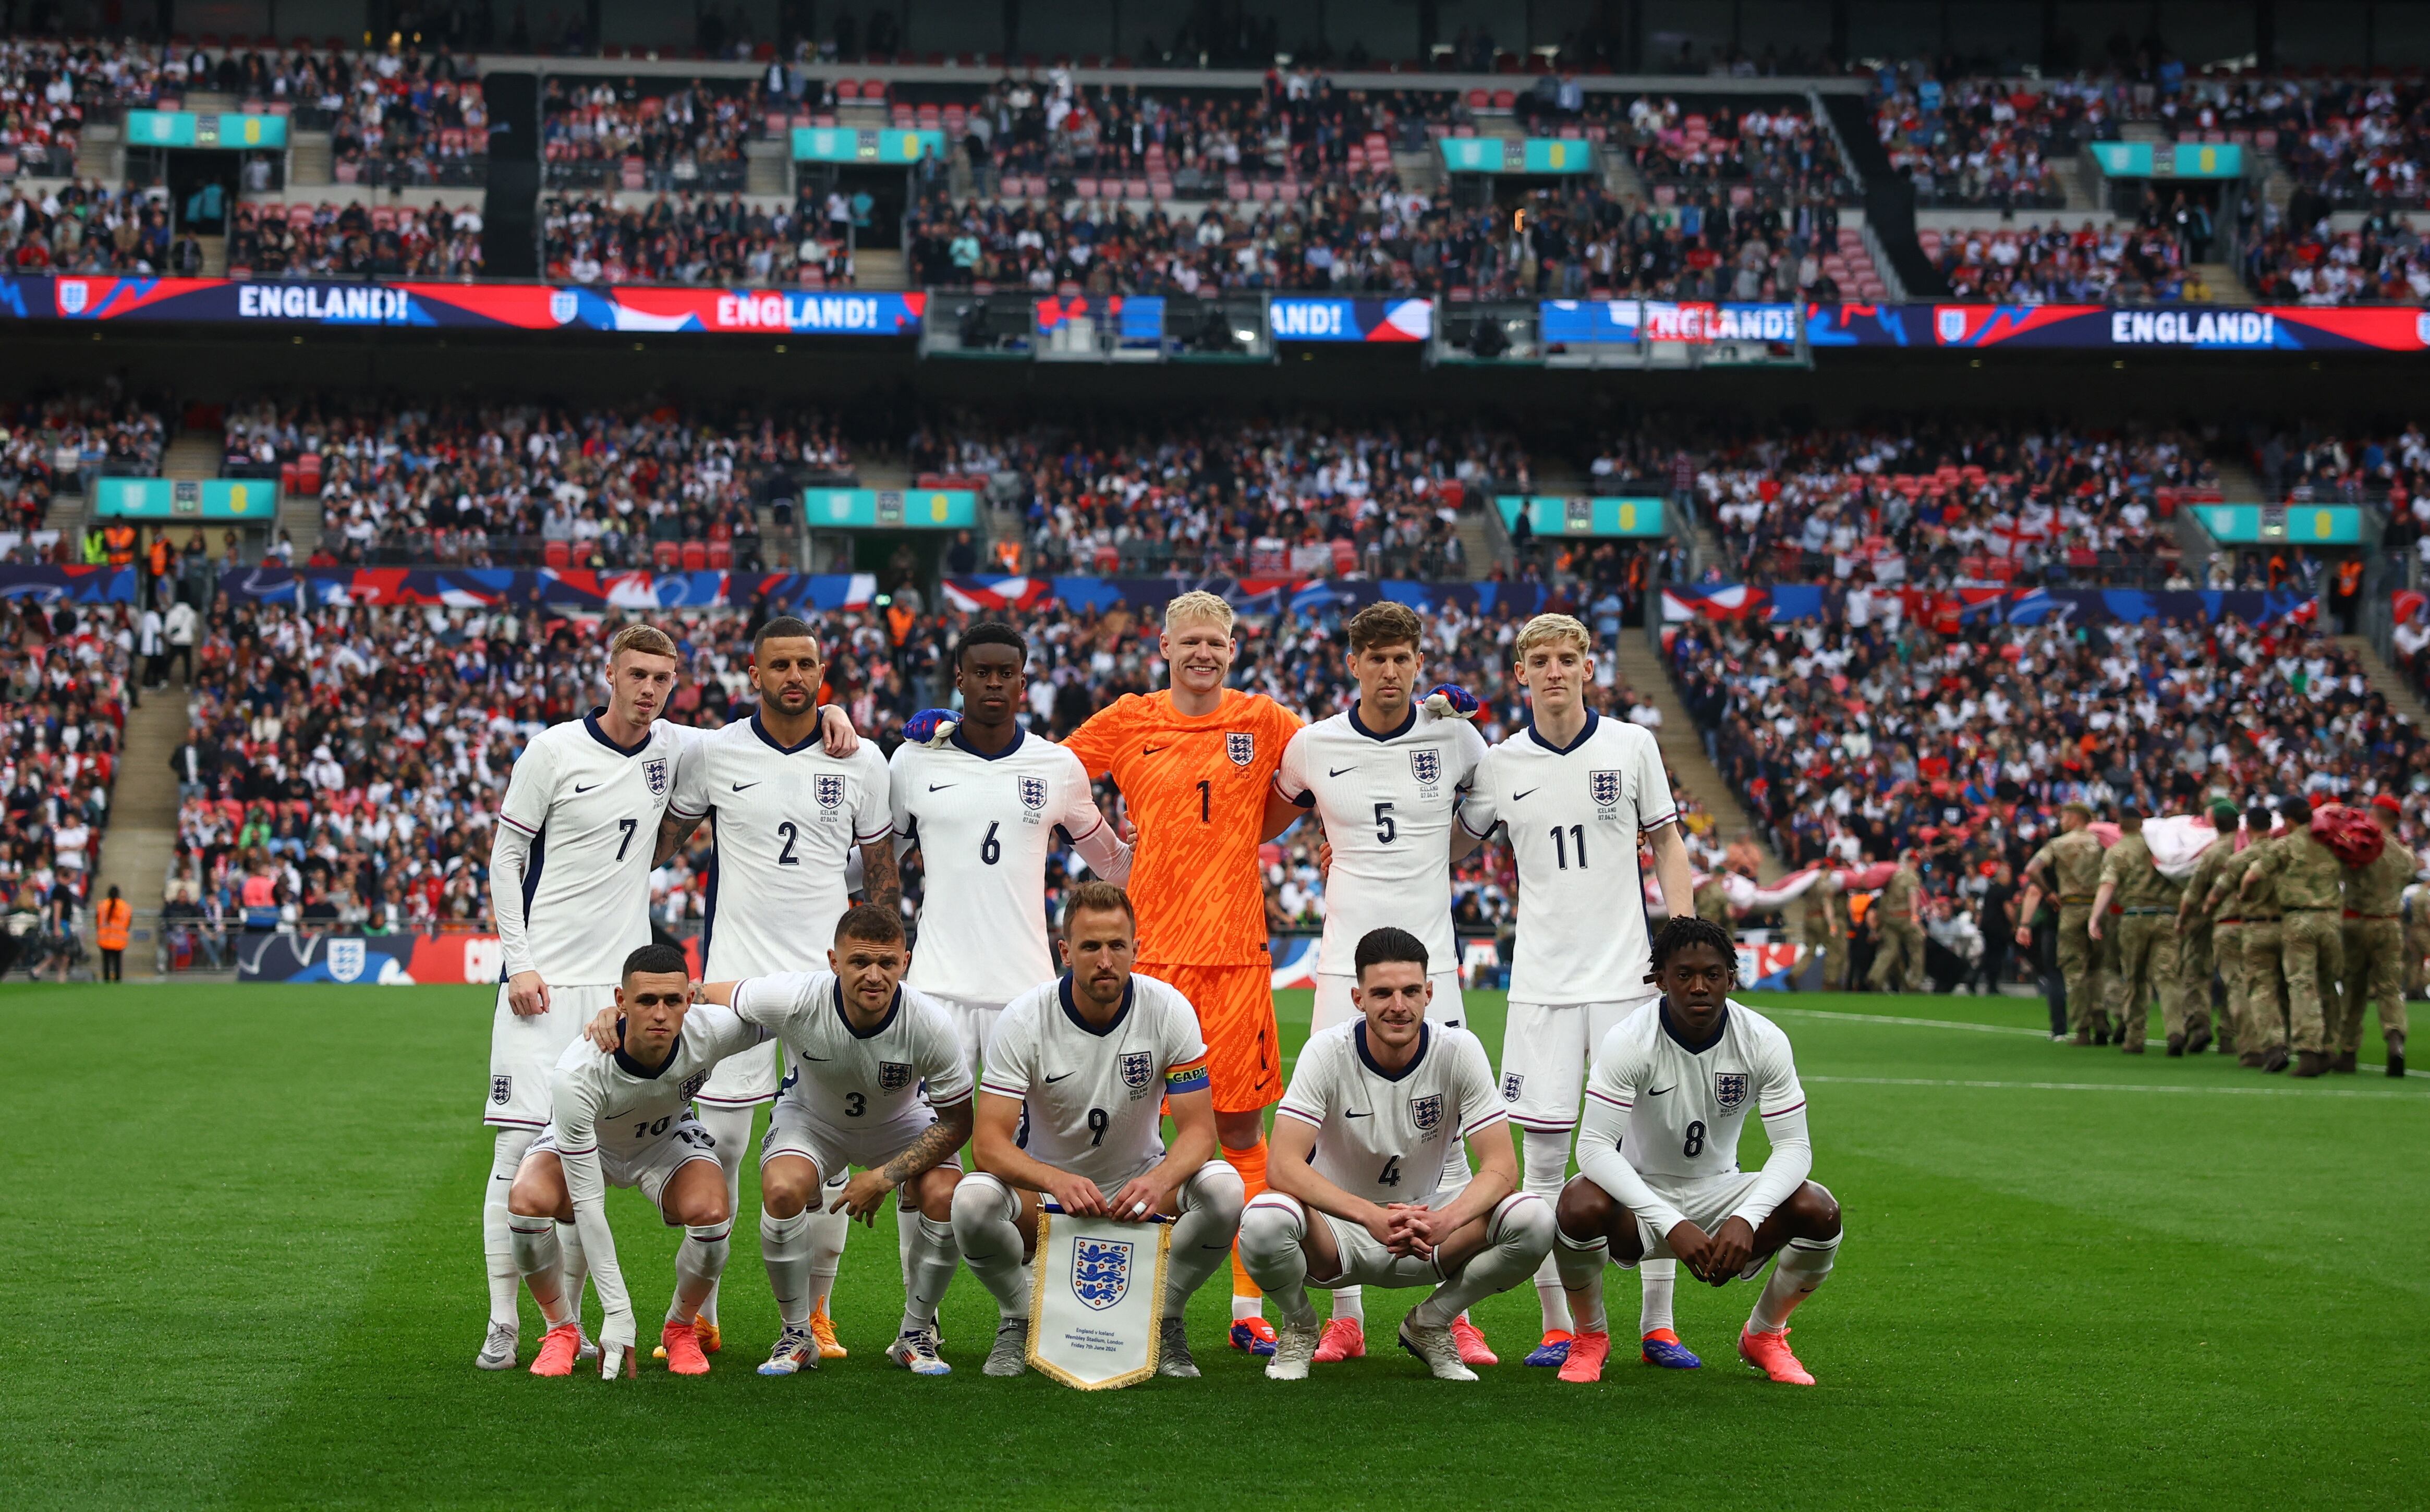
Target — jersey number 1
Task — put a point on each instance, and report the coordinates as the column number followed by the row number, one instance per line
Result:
column 1564, row 841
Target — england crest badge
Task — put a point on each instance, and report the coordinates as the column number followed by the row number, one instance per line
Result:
column 502, row 1090
column 1138, row 1068
column 563, row 306
column 1427, row 765
column 893, row 1075
column 1427, row 1113
column 693, row 1083
column 1730, row 1088
column 1949, row 324
column 1603, row 788
column 1032, row 793
column 346, row 958
column 1511, row 1083
column 828, row 790
column 656, row 771
column 1241, row 746
column 1101, row 1272
column 73, row 294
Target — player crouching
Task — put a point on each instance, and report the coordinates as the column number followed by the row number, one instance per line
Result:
column 1675, row 1078
column 1068, row 1107
column 1361, row 1136
column 622, row 1117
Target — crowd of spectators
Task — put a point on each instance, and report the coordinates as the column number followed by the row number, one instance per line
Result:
column 524, row 484
column 692, row 239
column 1982, row 142
column 602, row 133
column 1777, row 146
column 2309, row 465
column 1934, row 505
column 65, row 690
column 1262, row 497
column 1870, row 736
column 84, row 228
column 328, row 241
column 62, row 443
column 2382, row 262
column 2145, row 261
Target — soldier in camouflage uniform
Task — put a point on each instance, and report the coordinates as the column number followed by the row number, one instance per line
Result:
column 2374, row 946
column 1822, row 929
column 2196, row 939
column 1712, row 899
column 2146, row 943
column 2417, row 940
column 2073, row 860
column 2311, row 901
column 1898, row 932
column 2253, row 992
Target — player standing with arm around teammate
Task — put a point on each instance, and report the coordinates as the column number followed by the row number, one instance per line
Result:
column 785, row 814
column 1362, row 1139
column 1659, row 1158
column 1068, row 1108
column 1575, row 792
column 623, row 1118
column 1385, row 779
column 570, row 892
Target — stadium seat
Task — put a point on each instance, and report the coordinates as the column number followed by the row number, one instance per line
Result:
column 695, row 555
column 556, row 554
column 667, row 554
column 721, row 555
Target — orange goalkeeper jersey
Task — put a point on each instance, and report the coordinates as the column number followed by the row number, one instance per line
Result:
column 1196, row 789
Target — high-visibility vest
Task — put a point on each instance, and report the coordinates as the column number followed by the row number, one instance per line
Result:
column 110, row 920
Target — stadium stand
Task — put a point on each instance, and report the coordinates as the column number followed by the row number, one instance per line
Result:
column 274, row 239
column 63, row 692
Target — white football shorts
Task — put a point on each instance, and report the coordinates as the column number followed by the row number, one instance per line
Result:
column 1333, row 1005
column 1365, row 1262
column 1708, row 1204
column 651, row 1168
column 836, row 1150
column 523, row 1053
column 974, row 1024
column 1545, row 1053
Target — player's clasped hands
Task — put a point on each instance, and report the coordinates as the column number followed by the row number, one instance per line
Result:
column 1412, row 1229
column 1716, row 1258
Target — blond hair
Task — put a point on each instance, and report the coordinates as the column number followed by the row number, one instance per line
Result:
column 648, row 640
column 1384, row 623
column 1097, row 895
column 1199, row 605
column 1546, row 627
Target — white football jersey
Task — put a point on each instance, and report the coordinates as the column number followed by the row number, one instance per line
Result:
column 1385, row 1136
column 599, row 1102
column 985, row 826
column 842, row 1076
column 1573, row 816
column 592, row 809
column 1386, row 799
column 1675, row 1110
column 787, row 822
column 1092, row 1102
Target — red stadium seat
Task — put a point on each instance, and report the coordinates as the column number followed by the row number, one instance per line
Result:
column 667, row 554
column 556, row 554
column 695, row 555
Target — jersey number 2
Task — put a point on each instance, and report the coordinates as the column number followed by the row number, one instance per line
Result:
column 785, row 857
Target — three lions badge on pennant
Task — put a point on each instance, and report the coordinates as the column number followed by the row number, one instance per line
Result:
column 1096, row 1310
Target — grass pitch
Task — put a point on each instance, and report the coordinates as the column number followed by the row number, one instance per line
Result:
column 244, row 1267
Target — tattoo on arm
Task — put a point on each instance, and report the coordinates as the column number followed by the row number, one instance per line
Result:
column 879, row 877
column 935, row 1144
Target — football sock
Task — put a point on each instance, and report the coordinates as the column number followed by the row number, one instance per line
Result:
column 826, row 1243
column 1272, row 1237
column 700, row 1259
column 497, row 1244
column 1211, row 1204
column 731, row 1128
column 785, row 1249
column 934, row 1256
column 1658, row 1279
column 1351, row 1302
column 536, row 1259
column 1546, row 1156
column 1801, row 1268
column 1580, row 1263
column 984, row 1227
column 1515, row 1242
column 907, row 1232
column 1251, row 1164
column 577, row 1268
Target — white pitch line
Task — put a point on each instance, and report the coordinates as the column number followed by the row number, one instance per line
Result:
column 2104, row 1087
column 1973, row 1029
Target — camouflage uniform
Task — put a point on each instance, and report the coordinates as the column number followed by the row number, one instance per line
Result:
column 1712, row 901
column 1899, row 939
column 2262, row 1022
column 1822, row 928
column 2311, row 896
column 2146, row 931
column 2374, row 947
column 2417, row 940
column 2070, row 868
column 2196, row 943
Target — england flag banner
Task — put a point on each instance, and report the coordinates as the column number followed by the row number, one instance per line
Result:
column 1096, row 1309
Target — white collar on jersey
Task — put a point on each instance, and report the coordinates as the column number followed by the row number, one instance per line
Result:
column 1585, row 735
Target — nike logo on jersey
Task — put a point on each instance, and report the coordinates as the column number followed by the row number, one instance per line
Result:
column 1347, row 1114
column 818, row 1057
column 1659, row 1091
column 940, row 786
column 739, row 786
column 1051, row 1080
column 1335, row 771
column 578, row 787
column 1151, row 750
column 1516, row 796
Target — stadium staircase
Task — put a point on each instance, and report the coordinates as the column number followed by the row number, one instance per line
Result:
column 2387, row 681
column 98, row 154
column 767, row 168
column 1483, row 543
column 1683, row 750
column 311, row 163
column 142, row 841
column 190, row 456
column 1419, row 173
column 879, row 268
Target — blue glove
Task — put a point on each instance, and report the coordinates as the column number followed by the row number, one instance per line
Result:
column 934, row 726
column 1451, row 701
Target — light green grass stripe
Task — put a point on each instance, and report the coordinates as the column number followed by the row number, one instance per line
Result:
column 2110, row 1086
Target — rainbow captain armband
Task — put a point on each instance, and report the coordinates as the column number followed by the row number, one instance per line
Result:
column 1189, row 1078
